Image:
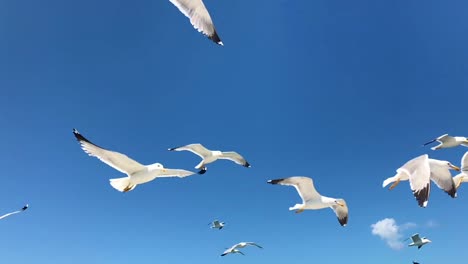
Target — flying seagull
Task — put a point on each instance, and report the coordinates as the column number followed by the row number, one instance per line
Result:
column 414, row 262
column 312, row 200
column 136, row 172
column 447, row 141
column 209, row 156
column 418, row 241
column 420, row 171
column 217, row 224
column 15, row 212
column 463, row 176
column 234, row 249
column 199, row 17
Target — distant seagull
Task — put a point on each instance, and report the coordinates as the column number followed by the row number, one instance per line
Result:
column 420, row 171
column 136, row 172
column 447, row 141
column 209, row 156
column 312, row 200
column 217, row 224
column 234, row 249
column 414, row 262
column 199, row 17
column 418, row 241
column 463, row 176
column 15, row 212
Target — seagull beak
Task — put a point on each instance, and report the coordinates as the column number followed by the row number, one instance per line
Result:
column 455, row 167
column 340, row 204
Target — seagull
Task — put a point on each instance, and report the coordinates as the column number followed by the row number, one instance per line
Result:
column 417, row 241
column 463, row 176
column 199, row 17
column 209, row 156
column 15, row 212
column 420, row 171
column 136, row 172
column 447, row 141
column 414, row 262
column 234, row 249
column 312, row 200
column 217, row 224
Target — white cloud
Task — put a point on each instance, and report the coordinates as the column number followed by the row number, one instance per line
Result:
column 388, row 230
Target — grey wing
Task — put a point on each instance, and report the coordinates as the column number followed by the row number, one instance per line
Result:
column 236, row 157
column 443, row 179
column 420, row 182
column 12, row 213
column 196, row 148
column 464, row 163
column 199, row 17
column 416, row 238
column 174, row 173
column 114, row 159
column 444, row 138
column 341, row 212
column 253, row 244
column 304, row 186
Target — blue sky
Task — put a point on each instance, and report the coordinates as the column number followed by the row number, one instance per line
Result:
column 344, row 92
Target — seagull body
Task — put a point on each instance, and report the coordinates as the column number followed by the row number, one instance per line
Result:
column 312, row 200
column 420, row 171
column 15, row 212
column 418, row 241
column 199, row 17
column 463, row 176
column 217, row 224
column 136, row 173
column 209, row 156
column 234, row 249
column 447, row 141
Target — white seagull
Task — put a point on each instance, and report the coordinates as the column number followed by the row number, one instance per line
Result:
column 234, row 249
column 418, row 241
column 463, row 176
column 136, row 173
column 312, row 200
column 420, row 171
column 447, row 141
column 199, row 17
column 15, row 212
column 209, row 156
column 217, row 224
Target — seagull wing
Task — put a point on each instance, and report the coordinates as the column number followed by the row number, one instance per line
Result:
column 419, row 171
column 464, row 163
column 12, row 213
column 114, row 159
column 445, row 138
column 304, row 186
column 442, row 177
column 197, row 148
column 199, row 17
column 163, row 173
column 341, row 212
column 253, row 244
column 416, row 238
column 234, row 156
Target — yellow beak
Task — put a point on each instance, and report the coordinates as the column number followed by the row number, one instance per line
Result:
column 455, row 167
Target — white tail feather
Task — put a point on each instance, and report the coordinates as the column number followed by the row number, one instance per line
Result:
column 295, row 207
column 122, row 184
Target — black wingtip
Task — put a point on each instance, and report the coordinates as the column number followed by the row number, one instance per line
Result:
column 78, row 136
column 202, row 171
column 274, row 181
column 247, row 165
column 215, row 38
column 343, row 221
column 25, row 207
column 422, row 196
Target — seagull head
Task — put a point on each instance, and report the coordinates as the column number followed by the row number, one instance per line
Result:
column 453, row 167
column 157, row 166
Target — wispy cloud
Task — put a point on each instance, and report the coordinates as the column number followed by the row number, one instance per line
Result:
column 432, row 223
column 388, row 230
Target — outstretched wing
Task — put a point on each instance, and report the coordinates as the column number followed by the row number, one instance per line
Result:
column 196, row 148
column 253, row 244
column 199, row 17
column 419, row 177
column 114, row 159
column 442, row 178
column 236, row 157
column 304, row 186
column 341, row 212
column 416, row 239
column 163, row 173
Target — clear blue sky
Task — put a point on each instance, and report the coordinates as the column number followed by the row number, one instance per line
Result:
column 341, row 91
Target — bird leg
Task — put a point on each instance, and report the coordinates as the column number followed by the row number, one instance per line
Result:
column 299, row 211
column 128, row 188
column 394, row 184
